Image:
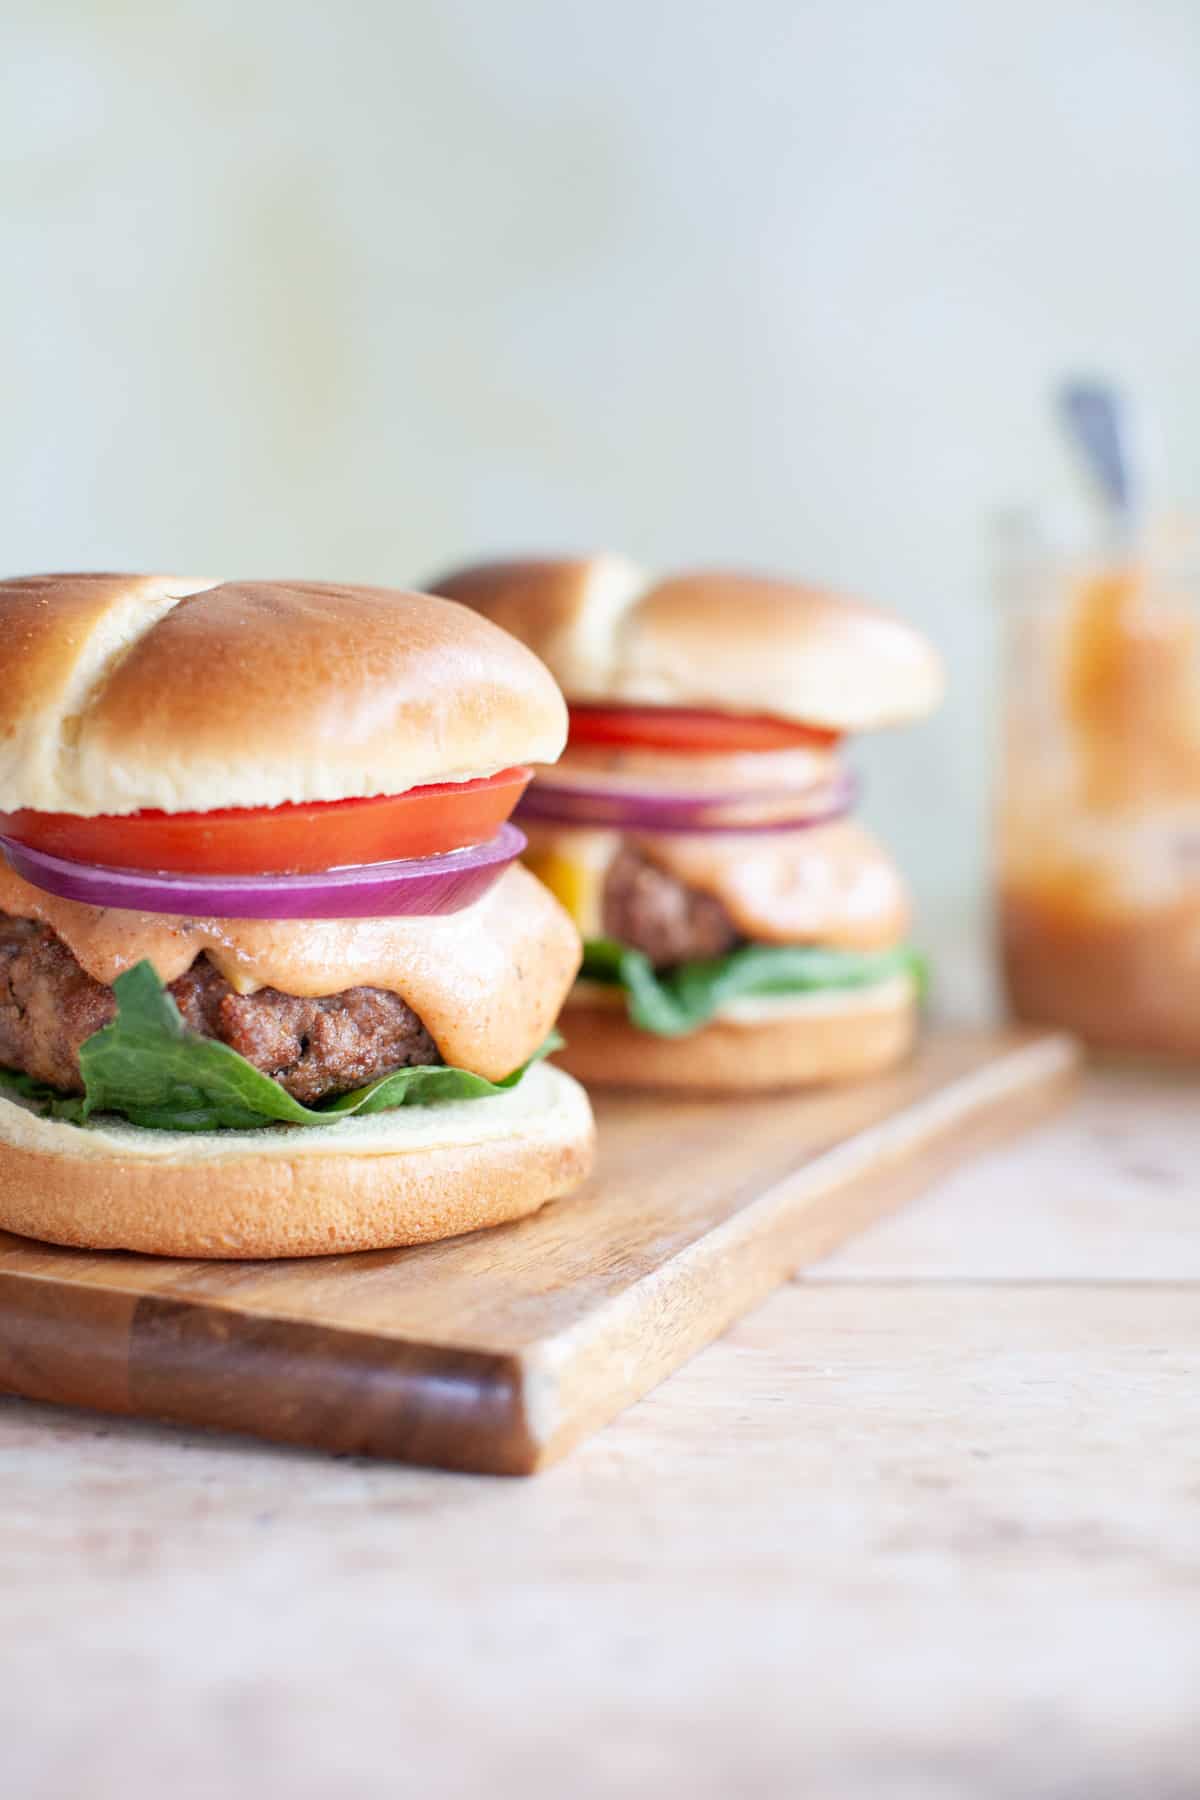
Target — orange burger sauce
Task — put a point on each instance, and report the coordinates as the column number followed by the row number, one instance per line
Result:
column 1099, row 819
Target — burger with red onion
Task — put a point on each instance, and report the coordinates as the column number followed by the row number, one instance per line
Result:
column 273, row 980
column 741, row 929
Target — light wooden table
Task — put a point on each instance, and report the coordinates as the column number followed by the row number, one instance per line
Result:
column 928, row 1524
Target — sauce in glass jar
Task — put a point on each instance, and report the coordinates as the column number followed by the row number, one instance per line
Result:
column 1099, row 806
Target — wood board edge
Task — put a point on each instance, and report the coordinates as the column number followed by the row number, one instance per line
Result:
column 187, row 1363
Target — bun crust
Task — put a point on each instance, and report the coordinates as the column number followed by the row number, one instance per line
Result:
column 736, row 642
column 802, row 1049
column 130, row 691
column 97, row 1194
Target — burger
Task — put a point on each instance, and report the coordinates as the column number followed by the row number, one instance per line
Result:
column 742, row 930
column 273, row 981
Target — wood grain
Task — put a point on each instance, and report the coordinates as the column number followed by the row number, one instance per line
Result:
column 498, row 1352
column 896, row 1542
column 925, row 1525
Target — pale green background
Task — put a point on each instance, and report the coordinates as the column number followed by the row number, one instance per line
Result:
column 356, row 289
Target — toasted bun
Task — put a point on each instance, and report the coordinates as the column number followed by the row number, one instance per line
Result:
column 810, row 1042
column 128, row 691
column 735, row 642
column 403, row 1177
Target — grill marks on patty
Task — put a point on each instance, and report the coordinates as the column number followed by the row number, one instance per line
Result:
column 651, row 911
column 49, row 1006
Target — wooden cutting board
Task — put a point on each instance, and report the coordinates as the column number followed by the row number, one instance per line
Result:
column 498, row 1352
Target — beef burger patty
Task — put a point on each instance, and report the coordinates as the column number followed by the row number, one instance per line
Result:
column 651, row 911
column 49, row 1006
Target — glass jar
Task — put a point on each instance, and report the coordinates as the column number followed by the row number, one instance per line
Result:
column 1098, row 817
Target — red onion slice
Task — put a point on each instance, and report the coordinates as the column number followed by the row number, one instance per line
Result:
column 417, row 887
column 615, row 809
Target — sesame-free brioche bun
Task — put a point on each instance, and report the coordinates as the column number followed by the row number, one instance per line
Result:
column 814, row 1039
column 130, row 691
column 742, row 643
column 403, row 1177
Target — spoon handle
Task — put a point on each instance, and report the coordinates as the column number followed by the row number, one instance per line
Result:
column 1098, row 425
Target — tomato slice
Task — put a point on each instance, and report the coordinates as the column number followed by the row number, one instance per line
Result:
column 281, row 840
column 681, row 728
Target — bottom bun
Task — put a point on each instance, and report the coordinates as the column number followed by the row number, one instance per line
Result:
column 403, row 1177
column 770, row 1044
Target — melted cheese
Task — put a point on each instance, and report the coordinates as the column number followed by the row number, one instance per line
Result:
column 829, row 884
column 573, row 864
column 488, row 981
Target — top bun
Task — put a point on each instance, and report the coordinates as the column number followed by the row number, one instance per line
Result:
column 130, row 691
column 737, row 643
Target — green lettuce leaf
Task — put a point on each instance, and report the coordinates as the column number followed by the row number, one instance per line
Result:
column 679, row 1001
column 42, row 1099
column 148, row 1066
